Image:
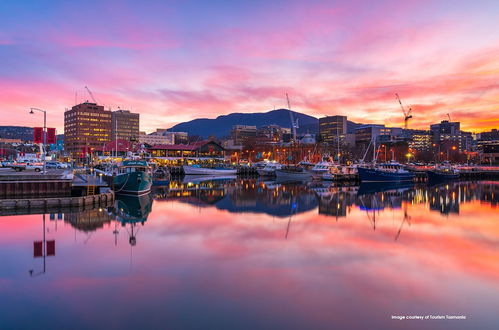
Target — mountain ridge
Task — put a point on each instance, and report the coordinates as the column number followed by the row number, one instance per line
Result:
column 221, row 125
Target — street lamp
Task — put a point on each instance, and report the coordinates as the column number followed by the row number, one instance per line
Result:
column 32, row 112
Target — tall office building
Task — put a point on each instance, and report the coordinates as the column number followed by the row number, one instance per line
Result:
column 332, row 128
column 125, row 125
column 86, row 126
column 241, row 133
column 448, row 135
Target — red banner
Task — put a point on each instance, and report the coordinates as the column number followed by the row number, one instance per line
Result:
column 37, row 249
column 51, row 136
column 38, row 135
column 50, row 248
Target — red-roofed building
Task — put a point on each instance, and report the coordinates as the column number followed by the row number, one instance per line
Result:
column 119, row 148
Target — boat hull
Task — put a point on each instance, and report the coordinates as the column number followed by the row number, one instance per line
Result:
column 439, row 176
column 190, row 170
column 375, row 175
column 291, row 175
column 134, row 183
column 264, row 172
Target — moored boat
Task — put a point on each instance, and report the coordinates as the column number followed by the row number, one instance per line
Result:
column 443, row 172
column 198, row 170
column 133, row 177
column 293, row 173
column 385, row 172
column 269, row 169
column 321, row 168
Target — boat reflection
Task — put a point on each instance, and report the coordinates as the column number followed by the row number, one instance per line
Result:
column 131, row 211
column 444, row 198
column 242, row 195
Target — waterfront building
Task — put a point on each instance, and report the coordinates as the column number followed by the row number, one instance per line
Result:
column 493, row 135
column 488, row 147
column 125, row 125
column 115, row 148
column 155, row 138
column 446, row 134
column 418, row 139
column 178, row 152
column 10, row 141
column 86, row 127
column 272, row 132
column 179, row 137
column 240, row 133
column 333, row 128
column 364, row 134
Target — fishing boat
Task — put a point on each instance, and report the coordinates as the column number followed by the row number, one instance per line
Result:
column 443, row 172
column 269, row 169
column 340, row 172
column 385, row 172
column 198, row 170
column 132, row 177
column 293, row 173
column 321, row 168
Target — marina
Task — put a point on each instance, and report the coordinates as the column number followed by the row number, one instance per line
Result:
column 162, row 242
column 249, row 165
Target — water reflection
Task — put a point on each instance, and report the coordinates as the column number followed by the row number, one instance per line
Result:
column 258, row 254
column 278, row 199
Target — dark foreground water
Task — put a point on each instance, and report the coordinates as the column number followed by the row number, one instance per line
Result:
column 258, row 255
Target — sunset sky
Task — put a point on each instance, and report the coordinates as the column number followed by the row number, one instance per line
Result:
column 174, row 61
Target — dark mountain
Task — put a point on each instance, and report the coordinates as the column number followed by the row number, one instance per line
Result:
column 16, row 132
column 222, row 125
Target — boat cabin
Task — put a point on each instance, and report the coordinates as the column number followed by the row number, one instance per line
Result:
column 130, row 166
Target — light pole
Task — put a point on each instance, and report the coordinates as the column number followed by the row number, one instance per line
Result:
column 44, row 134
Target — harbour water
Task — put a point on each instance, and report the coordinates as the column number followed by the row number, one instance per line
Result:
column 254, row 254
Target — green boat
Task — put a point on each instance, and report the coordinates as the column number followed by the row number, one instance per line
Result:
column 134, row 177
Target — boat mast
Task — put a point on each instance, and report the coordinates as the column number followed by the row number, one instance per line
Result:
column 337, row 143
column 294, row 124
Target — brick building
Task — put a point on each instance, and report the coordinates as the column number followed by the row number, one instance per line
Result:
column 86, row 127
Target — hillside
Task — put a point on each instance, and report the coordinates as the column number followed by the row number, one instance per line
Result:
column 222, row 125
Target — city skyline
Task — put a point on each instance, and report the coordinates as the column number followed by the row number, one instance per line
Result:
column 174, row 62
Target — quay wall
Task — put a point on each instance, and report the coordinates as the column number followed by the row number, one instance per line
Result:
column 26, row 185
column 34, row 205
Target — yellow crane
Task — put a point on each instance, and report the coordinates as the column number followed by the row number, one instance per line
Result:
column 407, row 113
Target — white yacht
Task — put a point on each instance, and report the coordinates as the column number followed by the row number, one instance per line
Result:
column 198, row 170
column 269, row 169
column 321, row 168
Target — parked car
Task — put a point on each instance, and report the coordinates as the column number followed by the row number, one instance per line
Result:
column 34, row 166
column 53, row 164
column 6, row 163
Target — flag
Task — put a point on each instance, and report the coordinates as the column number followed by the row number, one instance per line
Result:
column 38, row 135
column 51, row 136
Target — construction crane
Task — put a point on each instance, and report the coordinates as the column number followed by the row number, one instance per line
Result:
column 407, row 113
column 448, row 115
column 91, row 95
column 294, row 125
